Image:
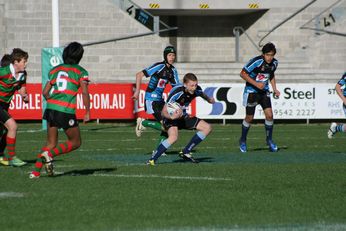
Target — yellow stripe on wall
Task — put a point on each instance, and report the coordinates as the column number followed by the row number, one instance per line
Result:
column 154, row 5
column 203, row 6
column 253, row 5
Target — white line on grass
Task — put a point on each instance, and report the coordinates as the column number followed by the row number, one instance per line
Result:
column 287, row 227
column 30, row 131
column 166, row 177
column 11, row 194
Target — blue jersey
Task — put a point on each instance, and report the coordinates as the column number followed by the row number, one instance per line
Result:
column 342, row 83
column 180, row 95
column 260, row 71
column 159, row 75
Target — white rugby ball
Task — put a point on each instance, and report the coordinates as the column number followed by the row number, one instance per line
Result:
column 172, row 107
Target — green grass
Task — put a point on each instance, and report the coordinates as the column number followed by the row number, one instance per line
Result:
column 106, row 186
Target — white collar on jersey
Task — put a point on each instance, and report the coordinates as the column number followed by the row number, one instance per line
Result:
column 13, row 72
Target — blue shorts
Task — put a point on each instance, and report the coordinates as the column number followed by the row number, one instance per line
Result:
column 154, row 108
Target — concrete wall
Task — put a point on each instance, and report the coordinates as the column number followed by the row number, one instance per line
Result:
column 27, row 24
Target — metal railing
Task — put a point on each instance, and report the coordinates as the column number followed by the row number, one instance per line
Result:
column 236, row 32
column 128, row 37
column 323, row 30
column 284, row 21
column 130, row 7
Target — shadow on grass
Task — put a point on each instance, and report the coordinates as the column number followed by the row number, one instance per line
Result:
column 33, row 161
column 200, row 160
column 85, row 172
column 266, row 148
column 173, row 152
column 101, row 128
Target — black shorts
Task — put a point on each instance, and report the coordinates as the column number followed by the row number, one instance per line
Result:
column 188, row 123
column 4, row 116
column 60, row 119
column 154, row 108
column 253, row 99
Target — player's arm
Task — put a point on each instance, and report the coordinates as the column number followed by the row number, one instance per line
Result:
column 46, row 90
column 176, row 80
column 23, row 93
column 273, row 83
column 139, row 77
column 244, row 75
column 200, row 92
column 210, row 100
column 340, row 93
column 86, row 100
column 165, row 112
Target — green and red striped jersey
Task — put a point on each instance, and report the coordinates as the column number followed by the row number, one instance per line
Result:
column 9, row 83
column 65, row 80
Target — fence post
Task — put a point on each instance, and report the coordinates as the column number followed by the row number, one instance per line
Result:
column 237, row 34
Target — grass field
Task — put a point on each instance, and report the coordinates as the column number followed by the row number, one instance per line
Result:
column 105, row 185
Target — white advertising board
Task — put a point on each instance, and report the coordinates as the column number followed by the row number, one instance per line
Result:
column 297, row 101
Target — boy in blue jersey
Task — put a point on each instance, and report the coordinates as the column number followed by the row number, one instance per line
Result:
column 183, row 95
column 160, row 74
column 257, row 73
column 341, row 91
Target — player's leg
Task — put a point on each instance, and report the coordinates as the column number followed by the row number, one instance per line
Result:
column 250, row 102
column 10, row 156
column 52, row 149
column 151, row 107
column 45, row 157
column 151, row 124
column 3, row 134
column 157, row 107
column 203, row 129
column 269, row 121
column 73, row 142
column 164, row 145
column 336, row 127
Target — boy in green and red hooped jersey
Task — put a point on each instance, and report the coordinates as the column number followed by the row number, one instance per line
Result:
column 12, row 79
column 5, row 61
column 60, row 92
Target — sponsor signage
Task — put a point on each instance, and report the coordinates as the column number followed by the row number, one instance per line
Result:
column 107, row 101
column 113, row 101
column 297, row 101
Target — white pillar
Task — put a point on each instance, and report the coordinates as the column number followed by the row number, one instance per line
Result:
column 55, row 23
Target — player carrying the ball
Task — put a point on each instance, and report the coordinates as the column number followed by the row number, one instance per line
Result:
column 179, row 119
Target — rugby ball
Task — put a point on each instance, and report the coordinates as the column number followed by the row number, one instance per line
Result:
column 172, row 107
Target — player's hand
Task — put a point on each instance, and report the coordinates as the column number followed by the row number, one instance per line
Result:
column 177, row 114
column 277, row 93
column 344, row 102
column 86, row 117
column 25, row 98
column 260, row 85
column 135, row 95
column 211, row 100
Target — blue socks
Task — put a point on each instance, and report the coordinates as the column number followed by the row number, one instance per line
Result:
column 196, row 139
column 245, row 126
column 269, row 129
column 160, row 149
column 340, row 128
